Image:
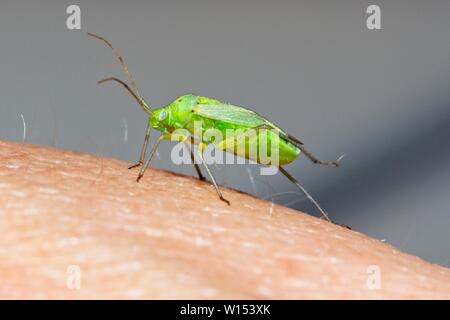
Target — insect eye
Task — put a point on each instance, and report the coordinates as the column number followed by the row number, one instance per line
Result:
column 162, row 115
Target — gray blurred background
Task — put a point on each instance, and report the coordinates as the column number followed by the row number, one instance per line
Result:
column 381, row 97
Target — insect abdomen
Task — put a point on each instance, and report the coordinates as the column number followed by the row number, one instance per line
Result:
column 258, row 145
column 265, row 147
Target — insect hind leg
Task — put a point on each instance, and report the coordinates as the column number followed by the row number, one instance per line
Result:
column 324, row 215
column 315, row 160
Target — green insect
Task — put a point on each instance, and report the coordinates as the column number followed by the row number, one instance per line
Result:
column 212, row 114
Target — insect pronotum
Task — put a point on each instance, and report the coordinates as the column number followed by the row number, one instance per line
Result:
column 212, row 114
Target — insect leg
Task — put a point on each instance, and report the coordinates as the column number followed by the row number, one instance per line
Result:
column 143, row 150
column 318, row 161
column 152, row 153
column 200, row 152
column 298, row 185
column 196, row 166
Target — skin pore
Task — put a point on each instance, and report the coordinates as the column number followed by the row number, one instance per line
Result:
column 169, row 237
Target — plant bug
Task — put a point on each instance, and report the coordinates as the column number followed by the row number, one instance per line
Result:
column 212, row 114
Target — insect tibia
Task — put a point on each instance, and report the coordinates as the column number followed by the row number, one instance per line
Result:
column 315, row 160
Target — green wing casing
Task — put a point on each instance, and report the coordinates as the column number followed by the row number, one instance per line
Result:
column 227, row 118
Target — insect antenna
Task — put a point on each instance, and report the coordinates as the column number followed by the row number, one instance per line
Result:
column 133, row 90
column 121, row 60
column 141, row 101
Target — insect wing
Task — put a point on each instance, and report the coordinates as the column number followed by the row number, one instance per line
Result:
column 231, row 114
column 240, row 116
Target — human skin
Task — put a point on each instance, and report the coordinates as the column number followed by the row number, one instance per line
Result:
column 169, row 237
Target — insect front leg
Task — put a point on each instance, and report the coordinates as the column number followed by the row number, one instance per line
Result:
column 200, row 153
column 143, row 150
column 152, row 153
